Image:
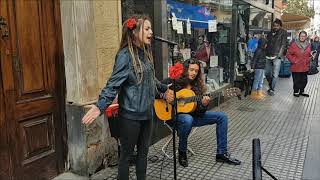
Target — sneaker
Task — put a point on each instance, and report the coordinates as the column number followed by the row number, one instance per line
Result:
column 183, row 159
column 304, row 94
column 227, row 159
column 261, row 94
column 271, row 92
column 254, row 94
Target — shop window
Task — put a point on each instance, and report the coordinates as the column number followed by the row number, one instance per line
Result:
column 252, row 24
column 207, row 39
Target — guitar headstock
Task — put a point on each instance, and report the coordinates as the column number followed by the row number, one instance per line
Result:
column 232, row 92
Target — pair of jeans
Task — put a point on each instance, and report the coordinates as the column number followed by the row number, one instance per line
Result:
column 300, row 80
column 272, row 71
column 134, row 132
column 186, row 122
column 258, row 79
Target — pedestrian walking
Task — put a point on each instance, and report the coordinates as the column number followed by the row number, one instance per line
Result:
column 258, row 64
column 277, row 43
column 299, row 54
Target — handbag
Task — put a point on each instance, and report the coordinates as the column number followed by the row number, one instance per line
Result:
column 113, row 119
column 313, row 68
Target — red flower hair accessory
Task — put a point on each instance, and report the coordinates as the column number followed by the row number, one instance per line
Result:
column 176, row 71
column 131, row 23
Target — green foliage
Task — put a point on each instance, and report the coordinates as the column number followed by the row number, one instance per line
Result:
column 299, row 7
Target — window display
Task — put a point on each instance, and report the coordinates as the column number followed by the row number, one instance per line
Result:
column 202, row 30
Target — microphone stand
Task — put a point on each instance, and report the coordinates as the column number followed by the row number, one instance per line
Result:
column 174, row 117
column 174, row 113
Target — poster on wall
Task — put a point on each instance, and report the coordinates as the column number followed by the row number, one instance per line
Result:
column 180, row 27
column 186, row 53
column 188, row 27
column 213, row 61
column 174, row 22
column 212, row 25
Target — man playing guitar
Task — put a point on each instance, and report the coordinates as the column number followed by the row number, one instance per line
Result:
column 191, row 79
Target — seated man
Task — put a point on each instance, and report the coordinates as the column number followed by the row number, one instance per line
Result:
column 191, row 79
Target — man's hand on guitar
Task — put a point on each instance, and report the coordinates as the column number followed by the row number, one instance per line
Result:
column 169, row 96
column 205, row 100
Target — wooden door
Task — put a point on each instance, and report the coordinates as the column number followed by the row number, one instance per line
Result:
column 33, row 88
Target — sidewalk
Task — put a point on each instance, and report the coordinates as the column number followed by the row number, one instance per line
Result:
column 286, row 126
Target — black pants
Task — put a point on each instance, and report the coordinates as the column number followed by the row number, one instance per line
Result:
column 134, row 132
column 300, row 80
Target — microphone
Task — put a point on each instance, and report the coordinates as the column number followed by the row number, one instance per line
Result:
column 157, row 38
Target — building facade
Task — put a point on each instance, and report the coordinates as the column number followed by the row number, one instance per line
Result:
column 45, row 92
column 91, row 32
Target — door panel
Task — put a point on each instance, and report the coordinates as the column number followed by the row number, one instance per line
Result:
column 35, row 123
column 31, row 62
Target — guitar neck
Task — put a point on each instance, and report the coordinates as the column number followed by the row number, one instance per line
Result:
column 198, row 98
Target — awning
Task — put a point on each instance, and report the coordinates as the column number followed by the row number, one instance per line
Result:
column 292, row 21
column 198, row 15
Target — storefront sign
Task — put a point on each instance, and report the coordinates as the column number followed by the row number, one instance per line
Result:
column 288, row 26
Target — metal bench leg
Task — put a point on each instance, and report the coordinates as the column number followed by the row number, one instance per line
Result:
column 192, row 133
column 164, row 147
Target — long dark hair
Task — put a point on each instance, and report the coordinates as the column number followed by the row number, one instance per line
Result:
column 197, row 84
column 127, row 40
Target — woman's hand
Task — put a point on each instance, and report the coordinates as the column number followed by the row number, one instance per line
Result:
column 91, row 115
column 205, row 100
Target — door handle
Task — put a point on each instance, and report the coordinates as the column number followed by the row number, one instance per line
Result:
column 4, row 33
column 3, row 28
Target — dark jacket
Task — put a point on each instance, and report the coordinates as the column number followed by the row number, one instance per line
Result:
column 200, row 109
column 277, row 43
column 315, row 45
column 135, row 100
column 259, row 59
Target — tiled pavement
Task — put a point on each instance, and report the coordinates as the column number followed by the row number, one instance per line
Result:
column 282, row 123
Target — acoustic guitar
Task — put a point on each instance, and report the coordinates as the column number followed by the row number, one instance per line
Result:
column 187, row 101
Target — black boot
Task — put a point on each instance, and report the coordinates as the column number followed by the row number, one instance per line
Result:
column 304, row 94
column 226, row 158
column 183, row 159
column 296, row 94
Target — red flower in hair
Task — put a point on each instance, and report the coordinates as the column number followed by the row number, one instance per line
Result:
column 176, row 71
column 131, row 23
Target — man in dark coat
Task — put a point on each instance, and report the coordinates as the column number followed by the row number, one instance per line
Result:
column 277, row 43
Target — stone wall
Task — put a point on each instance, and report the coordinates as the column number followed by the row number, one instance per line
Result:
column 91, row 35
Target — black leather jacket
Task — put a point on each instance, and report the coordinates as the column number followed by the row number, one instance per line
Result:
column 135, row 100
column 277, row 43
